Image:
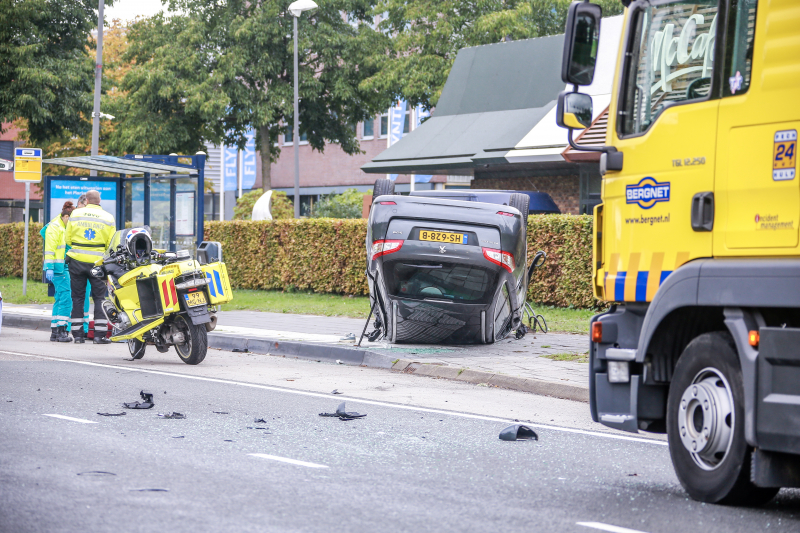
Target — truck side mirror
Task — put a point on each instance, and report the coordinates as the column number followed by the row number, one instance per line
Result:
column 574, row 110
column 581, row 40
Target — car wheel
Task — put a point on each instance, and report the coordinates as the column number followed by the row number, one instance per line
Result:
column 383, row 186
column 521, row 202
column 705, row 424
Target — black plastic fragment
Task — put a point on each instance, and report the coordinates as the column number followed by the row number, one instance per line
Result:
column 175, row 415
column 342, row 414
column 96, row 473
column 336, row 391
column 518, row 432
column 220, row 412
column 240, row 350
column 259, row 421
column 146, row 404
column 149, row 490
column 111, row 414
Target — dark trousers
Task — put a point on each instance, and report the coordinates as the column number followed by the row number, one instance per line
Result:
column 79, row 274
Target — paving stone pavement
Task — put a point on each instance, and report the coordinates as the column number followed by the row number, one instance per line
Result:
column 521, row 358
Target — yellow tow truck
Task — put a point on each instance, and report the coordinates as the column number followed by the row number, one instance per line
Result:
column 696, row 239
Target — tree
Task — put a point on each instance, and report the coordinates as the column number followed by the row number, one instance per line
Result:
column 280, row 205
column 427, row 35
column 46, row 68
column 228, row 66
column 349, row 204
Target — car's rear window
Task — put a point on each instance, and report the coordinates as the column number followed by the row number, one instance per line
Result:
column 440, row 281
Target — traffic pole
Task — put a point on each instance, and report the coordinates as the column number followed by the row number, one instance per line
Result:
column 25, row 253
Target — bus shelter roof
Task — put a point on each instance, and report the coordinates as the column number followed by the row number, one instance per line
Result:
column 119, row 165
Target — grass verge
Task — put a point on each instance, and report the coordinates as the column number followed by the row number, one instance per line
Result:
column 559, row 320
column 572, row 357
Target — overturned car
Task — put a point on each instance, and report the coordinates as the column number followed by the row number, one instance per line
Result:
column 447, row 266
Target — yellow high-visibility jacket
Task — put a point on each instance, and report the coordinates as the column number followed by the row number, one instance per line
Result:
column 55, row 245
column 89, row 232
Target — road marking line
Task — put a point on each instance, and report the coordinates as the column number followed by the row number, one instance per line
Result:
column 350, row 399
column 607, row 527
column 81, row 420
column 286, row 460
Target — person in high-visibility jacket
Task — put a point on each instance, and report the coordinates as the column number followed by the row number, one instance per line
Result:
column 89, row 232
column 54, row 255
column 83, row 203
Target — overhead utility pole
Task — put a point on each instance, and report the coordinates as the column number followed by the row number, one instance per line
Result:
column 98, row 79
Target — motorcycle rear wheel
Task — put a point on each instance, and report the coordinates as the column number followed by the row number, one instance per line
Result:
column 195, row 345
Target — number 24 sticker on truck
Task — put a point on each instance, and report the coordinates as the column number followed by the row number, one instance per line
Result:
column 784, row 155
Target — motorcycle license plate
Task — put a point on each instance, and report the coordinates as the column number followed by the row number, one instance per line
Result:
column 193, row 299
column 443, row 236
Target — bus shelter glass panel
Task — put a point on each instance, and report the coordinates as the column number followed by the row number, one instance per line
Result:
column 134, row 202
column 185, row 216
column 160, row 213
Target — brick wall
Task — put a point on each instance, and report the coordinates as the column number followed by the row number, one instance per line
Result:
column 565, row 190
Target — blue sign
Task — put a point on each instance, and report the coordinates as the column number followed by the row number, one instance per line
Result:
column 230, row 161
column 647, row 193
column 28, row 152
column 63, row 190
column 249, row 161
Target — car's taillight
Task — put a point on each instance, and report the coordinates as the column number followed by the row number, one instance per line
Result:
column 505, row 214
column 387, row 203
column 383, row 247
column 504, row 259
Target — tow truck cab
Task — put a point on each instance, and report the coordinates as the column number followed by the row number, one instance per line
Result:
column 696, row 238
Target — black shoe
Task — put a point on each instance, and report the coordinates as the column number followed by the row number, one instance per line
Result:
column 79, row 339
column 101, row 340
column 54, row 334
column 63, row 336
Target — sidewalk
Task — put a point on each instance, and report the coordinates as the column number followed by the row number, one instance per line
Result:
column 511, row 363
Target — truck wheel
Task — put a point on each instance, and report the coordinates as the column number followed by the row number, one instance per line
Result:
column 383, row 186
column 195, row 345
column 521, row 202
column 705, row 424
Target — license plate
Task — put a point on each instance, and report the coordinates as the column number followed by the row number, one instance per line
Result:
column 443, row 236
column 193, row 299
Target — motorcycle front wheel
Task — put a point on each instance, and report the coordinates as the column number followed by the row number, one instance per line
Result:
column 195, row 345
column 136, row 348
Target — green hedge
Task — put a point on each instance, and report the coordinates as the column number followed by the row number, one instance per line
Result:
column 328, row 255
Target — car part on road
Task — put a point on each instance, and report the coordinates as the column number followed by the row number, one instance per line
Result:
column 175, row 415
column 146, row 404
column 112, row 414
column 96, row 473
column 336, row 391
column 259, row 421
column 705, row 424
column 348, row 337
column 518, row 432
column 342, row 414
column 149, row 490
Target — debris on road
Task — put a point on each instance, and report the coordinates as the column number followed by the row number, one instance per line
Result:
column 146, row 404
column 342, row 414
column 336, row 391
column 176, row 415
column 518, row 432
column 240, row 350
column 112, row 414
column 339, row 362
column 149, row 490
column 348, row 337
column 178, row 437
column 259, row 421
column 220, row 412
column 96, row 473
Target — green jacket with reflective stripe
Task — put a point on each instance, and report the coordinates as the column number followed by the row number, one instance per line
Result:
column 55, row 245
column 89, row 232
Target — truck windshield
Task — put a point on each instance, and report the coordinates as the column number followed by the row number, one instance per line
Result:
column 671, row 60
column 440, row 281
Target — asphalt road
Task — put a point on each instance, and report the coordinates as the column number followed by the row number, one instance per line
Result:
column 402, row 468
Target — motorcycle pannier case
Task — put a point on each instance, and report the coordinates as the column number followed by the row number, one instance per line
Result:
column 219, row 286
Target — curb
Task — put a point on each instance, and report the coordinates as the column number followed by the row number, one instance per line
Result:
column 359, row 357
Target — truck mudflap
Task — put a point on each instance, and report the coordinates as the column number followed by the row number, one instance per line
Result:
column 778, row 397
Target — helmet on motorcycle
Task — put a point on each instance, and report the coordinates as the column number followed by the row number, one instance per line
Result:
column 139, row 243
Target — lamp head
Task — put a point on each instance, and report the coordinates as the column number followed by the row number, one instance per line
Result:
column 297, row 8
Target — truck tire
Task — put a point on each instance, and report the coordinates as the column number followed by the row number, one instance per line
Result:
column 705, row 424
column 383, row 186
column 195, row 346
column 520, row 202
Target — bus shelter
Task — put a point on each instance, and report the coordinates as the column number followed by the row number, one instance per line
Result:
column 164, row 192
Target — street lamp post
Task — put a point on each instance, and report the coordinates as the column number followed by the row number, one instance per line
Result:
column 296, row 9
column 98, row 79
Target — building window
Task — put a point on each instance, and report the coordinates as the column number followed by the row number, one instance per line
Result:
column 369, row 129
column 288, row 139
column 385, row 124
column 7, row 150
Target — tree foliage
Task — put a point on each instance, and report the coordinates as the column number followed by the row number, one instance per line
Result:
column 427, row 35
column 46, row 69
column 226, row 67
column 280, row 205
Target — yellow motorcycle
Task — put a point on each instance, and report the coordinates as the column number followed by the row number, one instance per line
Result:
column 161, row 298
